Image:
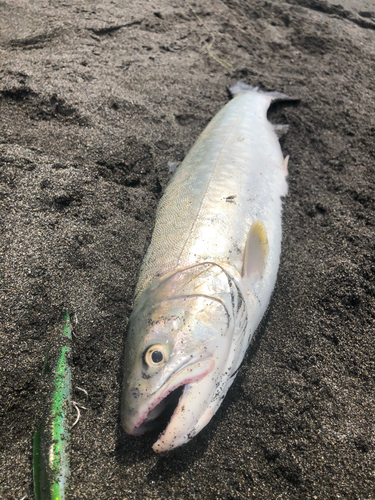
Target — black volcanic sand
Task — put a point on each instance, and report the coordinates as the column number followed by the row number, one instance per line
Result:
column 96, row 99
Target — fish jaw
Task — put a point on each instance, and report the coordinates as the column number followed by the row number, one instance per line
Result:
column 188, row 375
column 193, row 412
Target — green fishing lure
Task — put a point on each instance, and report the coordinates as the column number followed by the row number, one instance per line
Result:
column 51, row 439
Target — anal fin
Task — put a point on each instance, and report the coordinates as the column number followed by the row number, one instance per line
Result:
column 280, row 129
column 284, row 165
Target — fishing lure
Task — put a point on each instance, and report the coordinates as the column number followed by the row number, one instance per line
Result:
column 51, row 439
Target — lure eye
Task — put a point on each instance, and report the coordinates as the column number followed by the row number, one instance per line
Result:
column 156, row 355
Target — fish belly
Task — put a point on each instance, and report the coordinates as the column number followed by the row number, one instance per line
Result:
column 231, row 177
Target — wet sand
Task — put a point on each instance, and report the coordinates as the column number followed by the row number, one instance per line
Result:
column 95, row 100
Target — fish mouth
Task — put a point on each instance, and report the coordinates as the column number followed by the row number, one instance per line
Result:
column 161, row 413
column 170, row 401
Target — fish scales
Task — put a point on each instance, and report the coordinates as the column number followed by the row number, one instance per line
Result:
column 208, row 274
column 233, row 157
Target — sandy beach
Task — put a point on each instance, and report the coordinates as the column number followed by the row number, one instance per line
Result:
column 95, row 99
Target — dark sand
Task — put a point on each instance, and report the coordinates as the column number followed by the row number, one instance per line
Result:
column 96, row 99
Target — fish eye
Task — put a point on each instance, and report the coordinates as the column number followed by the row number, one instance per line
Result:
column 156, row 355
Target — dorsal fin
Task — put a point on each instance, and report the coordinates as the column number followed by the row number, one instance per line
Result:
column 256, row 251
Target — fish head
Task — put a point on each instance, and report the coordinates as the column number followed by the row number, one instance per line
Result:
column 176, row 351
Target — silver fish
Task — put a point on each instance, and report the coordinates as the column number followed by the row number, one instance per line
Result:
column 208, row 274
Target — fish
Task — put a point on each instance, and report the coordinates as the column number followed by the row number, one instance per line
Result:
column 208, row 274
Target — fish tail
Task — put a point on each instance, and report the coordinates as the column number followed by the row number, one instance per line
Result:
column 274, row 95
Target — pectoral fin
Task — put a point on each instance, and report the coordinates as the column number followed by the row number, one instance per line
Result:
column 256, row 251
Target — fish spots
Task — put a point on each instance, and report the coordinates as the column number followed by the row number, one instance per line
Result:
column 135, row 392
column 231, row 198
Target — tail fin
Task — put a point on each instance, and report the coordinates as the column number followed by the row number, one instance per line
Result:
column 275, row 96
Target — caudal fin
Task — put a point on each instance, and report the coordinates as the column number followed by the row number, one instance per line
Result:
column 275, row 96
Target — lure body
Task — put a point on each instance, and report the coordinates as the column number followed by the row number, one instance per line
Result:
column 51, row 439
column 208, row 274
